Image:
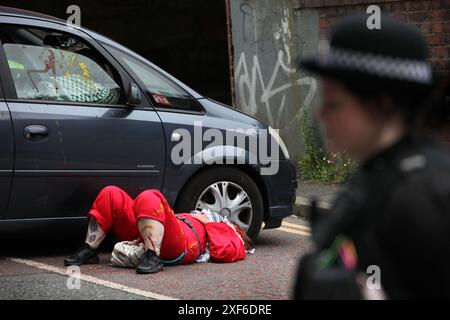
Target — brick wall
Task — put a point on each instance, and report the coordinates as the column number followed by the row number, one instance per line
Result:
column 432, row 17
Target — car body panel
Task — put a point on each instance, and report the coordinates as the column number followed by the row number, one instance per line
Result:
column 87, row 148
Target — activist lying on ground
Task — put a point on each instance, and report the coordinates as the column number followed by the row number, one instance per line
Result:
column 150, row 235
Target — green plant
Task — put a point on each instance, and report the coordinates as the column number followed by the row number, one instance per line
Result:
column 317, row 164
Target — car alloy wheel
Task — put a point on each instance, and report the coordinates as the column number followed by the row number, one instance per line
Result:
column 229, row 200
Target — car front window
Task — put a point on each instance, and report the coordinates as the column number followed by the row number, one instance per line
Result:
column 162, row 91
column 47, row 69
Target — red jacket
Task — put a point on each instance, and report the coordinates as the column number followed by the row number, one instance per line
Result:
column 224, row 243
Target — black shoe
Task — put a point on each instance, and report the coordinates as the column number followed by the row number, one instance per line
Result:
column 84, row 255
column 150, row 264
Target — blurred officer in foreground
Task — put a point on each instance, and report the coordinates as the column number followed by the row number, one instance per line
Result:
column 388, row 233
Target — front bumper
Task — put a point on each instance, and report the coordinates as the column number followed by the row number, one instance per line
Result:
column 281, row 193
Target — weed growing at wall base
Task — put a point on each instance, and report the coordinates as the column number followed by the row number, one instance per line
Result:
column 317, row 164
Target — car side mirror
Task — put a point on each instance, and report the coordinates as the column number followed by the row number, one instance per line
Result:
column 133, row 95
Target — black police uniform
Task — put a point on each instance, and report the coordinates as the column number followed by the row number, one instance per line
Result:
column 396, row 210
column 394, row 214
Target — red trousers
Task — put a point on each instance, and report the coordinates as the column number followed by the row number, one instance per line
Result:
column 114, row 210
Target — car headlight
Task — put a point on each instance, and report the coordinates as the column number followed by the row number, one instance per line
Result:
column 274, row 133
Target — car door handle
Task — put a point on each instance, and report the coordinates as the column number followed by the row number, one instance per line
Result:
column 36, row 133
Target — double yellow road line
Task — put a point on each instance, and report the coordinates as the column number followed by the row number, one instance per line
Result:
column 295, row 228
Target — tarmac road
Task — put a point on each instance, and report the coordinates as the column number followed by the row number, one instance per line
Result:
column 36, row 271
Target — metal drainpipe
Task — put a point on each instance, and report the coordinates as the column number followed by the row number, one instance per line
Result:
column 230, row 52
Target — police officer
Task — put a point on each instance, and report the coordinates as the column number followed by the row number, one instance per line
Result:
column 388, row 232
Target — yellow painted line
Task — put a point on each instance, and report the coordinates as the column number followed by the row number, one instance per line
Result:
column 108, row 284
column 296, row 226
column 303, row 233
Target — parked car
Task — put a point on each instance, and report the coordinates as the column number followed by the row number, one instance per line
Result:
column 80, row 112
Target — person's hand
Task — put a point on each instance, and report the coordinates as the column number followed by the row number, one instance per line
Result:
column 201, row 217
